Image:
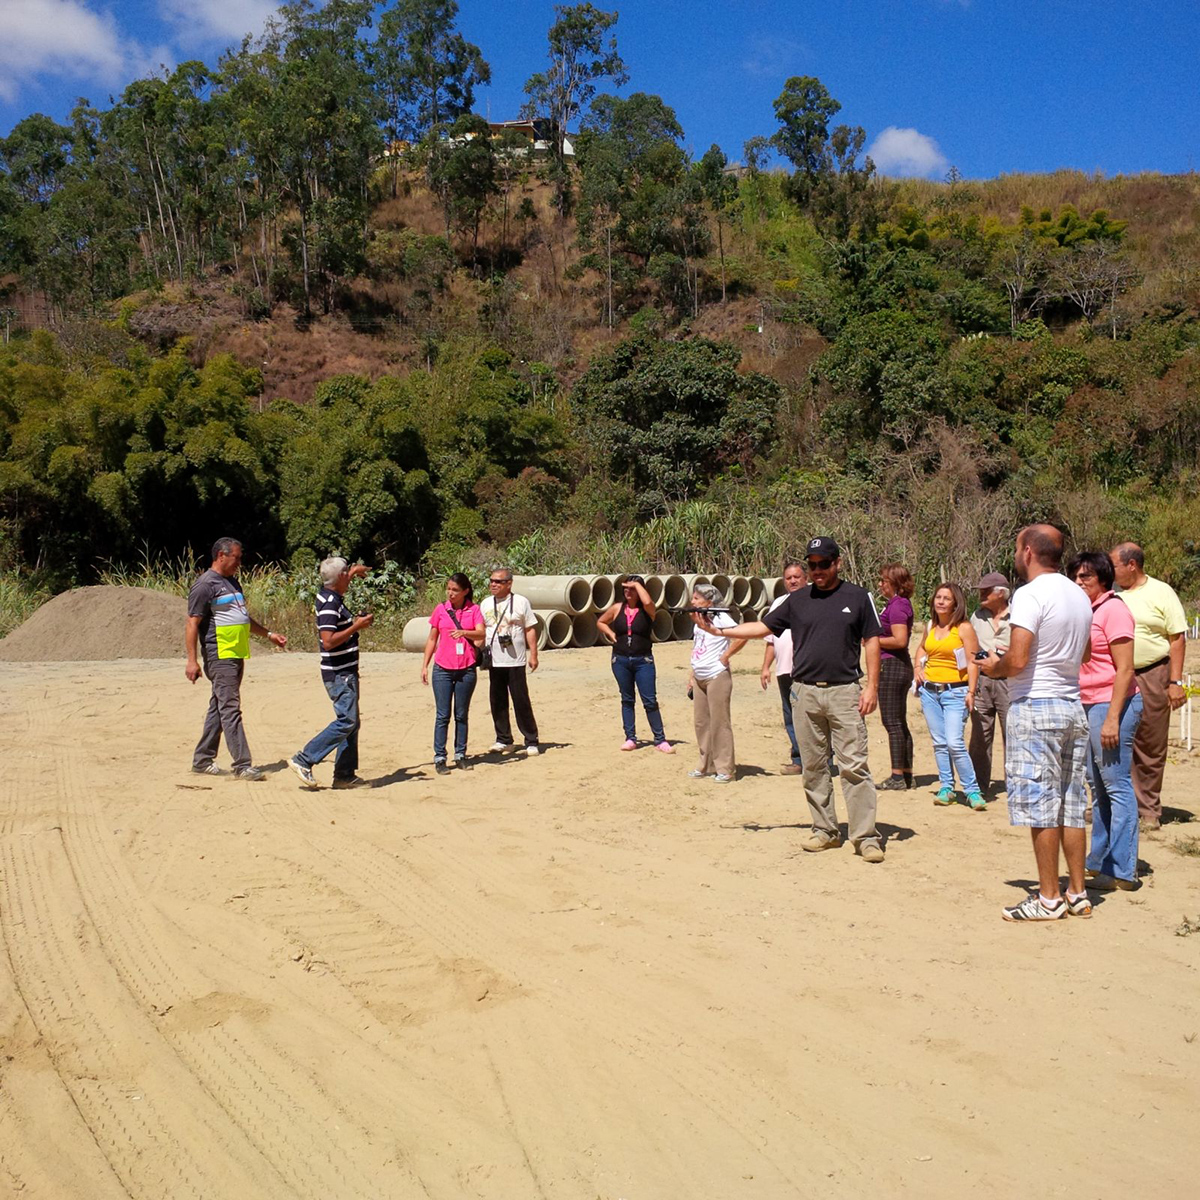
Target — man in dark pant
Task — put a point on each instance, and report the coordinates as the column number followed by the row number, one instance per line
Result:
column 218, row 628
column 512, row 640
column 778, row 657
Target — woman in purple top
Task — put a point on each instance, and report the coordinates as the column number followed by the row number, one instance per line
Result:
column 896, row 671
column 455, row 629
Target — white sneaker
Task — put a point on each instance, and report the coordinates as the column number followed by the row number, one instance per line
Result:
column 1034, row 908
column 532, row 752
column 305, row 774
column 208, row 769
column 498, row 747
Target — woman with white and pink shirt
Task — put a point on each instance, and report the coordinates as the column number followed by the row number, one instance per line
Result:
column 1113, row 705
column 710, row 684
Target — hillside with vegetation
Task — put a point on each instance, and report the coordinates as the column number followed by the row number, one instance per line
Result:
column 306, row 295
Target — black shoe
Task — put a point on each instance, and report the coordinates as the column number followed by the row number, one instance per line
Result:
column 439, row 765
column 893, row 783
column 463, row 765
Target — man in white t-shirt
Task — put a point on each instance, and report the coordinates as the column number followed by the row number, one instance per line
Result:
column 1045, row 750
column 778, row 654
column 512, row 639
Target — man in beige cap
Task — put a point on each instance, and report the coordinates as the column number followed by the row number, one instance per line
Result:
column 990, row 622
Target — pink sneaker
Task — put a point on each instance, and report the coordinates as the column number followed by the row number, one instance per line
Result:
column 665, row 747
column 629, row 744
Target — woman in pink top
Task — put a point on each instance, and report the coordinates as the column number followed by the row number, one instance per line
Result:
column 1114, row 707
column 455, row 629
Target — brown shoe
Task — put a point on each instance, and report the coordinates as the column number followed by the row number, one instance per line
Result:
column 1109, row 883
column 871, row 852
column 791, row 769
column 819, row 841
column 1149, row 826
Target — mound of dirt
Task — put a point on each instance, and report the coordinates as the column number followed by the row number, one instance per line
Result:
column 100, row 622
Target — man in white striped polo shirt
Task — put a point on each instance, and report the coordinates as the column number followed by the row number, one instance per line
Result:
column 338, row 632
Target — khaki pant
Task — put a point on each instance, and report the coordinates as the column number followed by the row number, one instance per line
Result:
column 714, row 726
column 827, row 718
column 991, row 704
column 1150, row 741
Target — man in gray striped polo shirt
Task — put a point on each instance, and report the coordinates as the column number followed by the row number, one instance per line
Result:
column 338, row 632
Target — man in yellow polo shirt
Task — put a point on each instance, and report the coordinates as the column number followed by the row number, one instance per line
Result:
column 1158, row 645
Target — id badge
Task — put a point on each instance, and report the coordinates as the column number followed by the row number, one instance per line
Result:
column 459, row 649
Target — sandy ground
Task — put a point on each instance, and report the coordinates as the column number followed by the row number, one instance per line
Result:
column 583, row 975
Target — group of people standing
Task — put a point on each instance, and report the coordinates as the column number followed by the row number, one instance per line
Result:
column 502, row 631
column 1080, row 679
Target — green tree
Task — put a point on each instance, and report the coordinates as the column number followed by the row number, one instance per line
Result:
column 803, row 110
column 354, row 474
column 720, row 192
column 630, row 162
column 462, row 171
column 667, row 416
column 426, row 72
column 323, row 129
column 580, row 56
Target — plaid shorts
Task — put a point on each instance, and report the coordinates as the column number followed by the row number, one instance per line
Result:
column 1045, row 760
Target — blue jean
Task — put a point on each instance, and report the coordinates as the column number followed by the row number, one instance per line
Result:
column 451, row 686
column 341, row 734
column 1114, row 847
column 946, row 715
column 630, row 671
column 785, row 694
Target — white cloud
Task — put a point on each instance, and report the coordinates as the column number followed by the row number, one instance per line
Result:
column 907, row 152
column 62, row 37
column 772, row 56
column 224, row 20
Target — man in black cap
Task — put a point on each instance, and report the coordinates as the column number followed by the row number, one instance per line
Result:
column 991, row 625
column 833, row 624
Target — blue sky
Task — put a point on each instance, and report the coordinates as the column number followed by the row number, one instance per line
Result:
column 989, row 86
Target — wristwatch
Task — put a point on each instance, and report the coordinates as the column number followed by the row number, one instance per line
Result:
column 1175, row 683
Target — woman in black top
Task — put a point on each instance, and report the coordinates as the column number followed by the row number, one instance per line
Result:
column 627, row 625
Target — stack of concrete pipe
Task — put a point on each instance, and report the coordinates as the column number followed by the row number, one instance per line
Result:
column 567, row 606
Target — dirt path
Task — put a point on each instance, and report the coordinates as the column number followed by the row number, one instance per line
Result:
column 583, row 975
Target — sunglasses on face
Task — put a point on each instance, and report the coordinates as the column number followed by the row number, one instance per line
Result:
column 820, row 564
column 498, row 581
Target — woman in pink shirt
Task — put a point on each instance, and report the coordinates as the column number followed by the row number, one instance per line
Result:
column 1114, row 707
column 455, row 629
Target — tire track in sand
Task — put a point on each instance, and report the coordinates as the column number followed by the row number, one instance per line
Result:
column 460, row 929
column 233, row 1114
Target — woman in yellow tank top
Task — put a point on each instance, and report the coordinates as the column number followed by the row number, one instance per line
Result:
column 946, row 676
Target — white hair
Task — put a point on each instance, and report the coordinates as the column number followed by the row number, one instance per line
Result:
column 331, row 568
column 1003, row 590
column 710, row 593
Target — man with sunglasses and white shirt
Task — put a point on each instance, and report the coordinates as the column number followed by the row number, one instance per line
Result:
column 512, row 639
column 834, row 627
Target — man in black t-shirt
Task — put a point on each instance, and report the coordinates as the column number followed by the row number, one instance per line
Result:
column 833, row 625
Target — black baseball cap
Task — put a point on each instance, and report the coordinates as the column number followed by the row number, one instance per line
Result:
column 824, row 547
